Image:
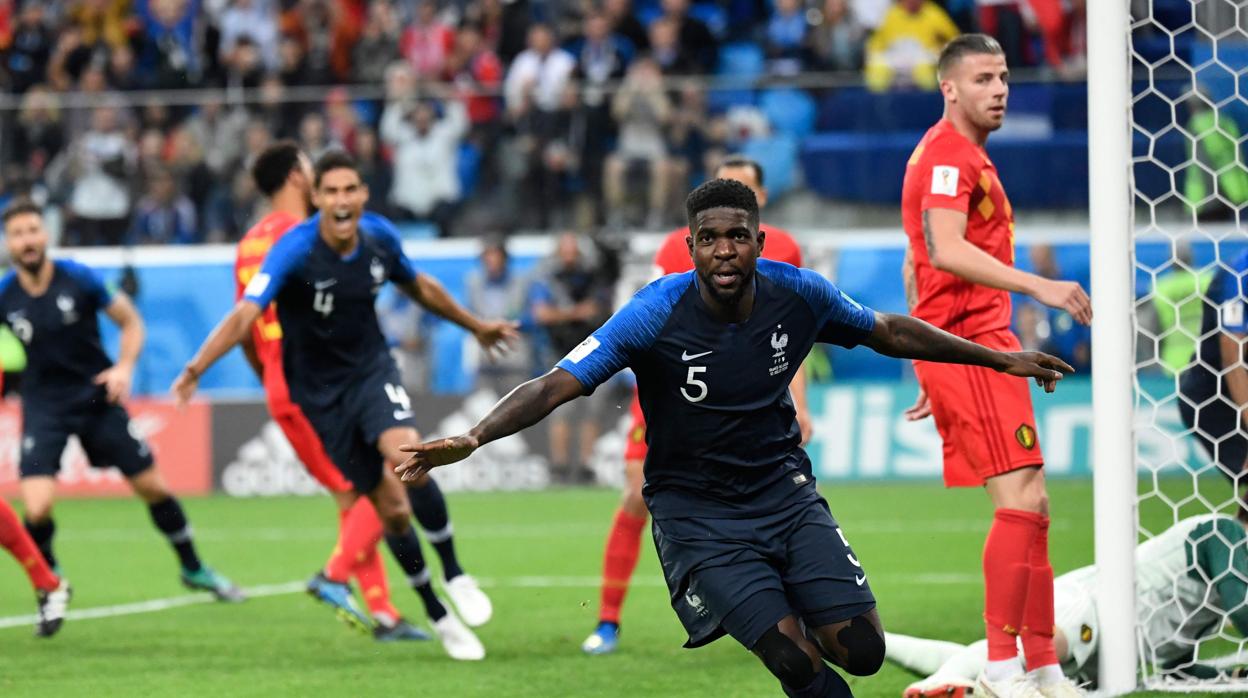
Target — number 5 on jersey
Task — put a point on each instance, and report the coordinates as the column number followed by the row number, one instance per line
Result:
column 692, row 380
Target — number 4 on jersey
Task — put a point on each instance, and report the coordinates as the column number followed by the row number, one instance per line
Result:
column 323, row 303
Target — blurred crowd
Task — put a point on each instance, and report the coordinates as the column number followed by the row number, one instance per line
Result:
column 547, row 113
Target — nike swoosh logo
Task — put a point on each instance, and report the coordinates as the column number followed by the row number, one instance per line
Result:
column 322, row 285
column 403, row 414
column 860, row 580
column 686, row 356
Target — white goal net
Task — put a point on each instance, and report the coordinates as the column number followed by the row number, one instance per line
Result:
column 1186, row 259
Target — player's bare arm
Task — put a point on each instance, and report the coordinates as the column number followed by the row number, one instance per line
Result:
column 904, row 337
column 492, row 335
column 248, row 345
column 232, row 330
column 944, row 233
column 523, row 407
column 118, row 378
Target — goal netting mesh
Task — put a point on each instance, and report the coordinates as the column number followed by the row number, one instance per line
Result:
column 1189, row 117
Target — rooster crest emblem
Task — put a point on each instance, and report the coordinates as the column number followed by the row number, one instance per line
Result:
column 378, row 270
column 779, row 342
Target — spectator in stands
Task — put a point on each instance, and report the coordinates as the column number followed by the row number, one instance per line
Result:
column 70, row 59
column 601, row 59
column 560, row 141
column 427, row 42
column 476, row 74
column 666, row 50
column 220, row 130
column 376, row 173
column 837, row 39
column 568, row 302
column 341, row 118
column 243, row 64
column 426, row 159
column 186, row 161
column 122, row 71
column 693, row 141
column 786, row 43
column 28, row 54
column 624, row 23
column 101, row 166
column 40, row 135
column 232, row 209
column 256, row 138
column 642, row 109
column 495, row 290
column 696, row 40
column 1003, row 20
column 103, row 23
column 538, row 76
column 292, row 63
column 905, row 46
column 164, row 215
column 169, row 49
column 275, row 110
column 314, row 137
column 1059, row 334
column 250, row 20
column 378, row 44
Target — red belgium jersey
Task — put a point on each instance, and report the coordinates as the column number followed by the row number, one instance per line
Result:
column 949, row 171
column 673, row 255
column 266, row 332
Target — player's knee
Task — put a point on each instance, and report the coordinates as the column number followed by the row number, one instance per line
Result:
column 37, row 512
column 785, row 659
column 864, row 647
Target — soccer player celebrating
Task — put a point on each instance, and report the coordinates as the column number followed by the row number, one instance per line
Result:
column 624, row 539
column 71, row 387
column 1189, row 580
column 959, row 272
column 52, row 592
column 325, row 275
column 748, row 546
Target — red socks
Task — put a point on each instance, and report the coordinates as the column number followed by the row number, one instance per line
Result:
column 15, row 539
column 1038, row 619
column 1007, row 569
column 623, row 549
column 359, row 531
column 371, row 574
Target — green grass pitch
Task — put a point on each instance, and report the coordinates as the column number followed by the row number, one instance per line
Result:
column 538, row 554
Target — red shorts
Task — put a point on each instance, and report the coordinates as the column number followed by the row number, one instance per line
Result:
column 636, row 448
column 984, row 418
column 307, row 445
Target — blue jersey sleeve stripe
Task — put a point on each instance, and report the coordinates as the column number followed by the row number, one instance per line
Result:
column 281, row 260
column 630, row 331
column 380, row 226
column 841, row 320
column 89, row 280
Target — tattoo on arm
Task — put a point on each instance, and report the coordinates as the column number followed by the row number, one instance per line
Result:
column 928, row 239
column 907, row 279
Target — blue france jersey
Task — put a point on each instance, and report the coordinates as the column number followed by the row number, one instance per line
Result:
column 326, row 305
column 721, row 427
column 61, row 332
column 1224, row 311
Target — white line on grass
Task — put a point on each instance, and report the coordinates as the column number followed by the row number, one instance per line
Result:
column 583, row 582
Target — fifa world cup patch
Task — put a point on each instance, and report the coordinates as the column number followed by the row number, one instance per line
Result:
column 945, row 180
column 1026, row 436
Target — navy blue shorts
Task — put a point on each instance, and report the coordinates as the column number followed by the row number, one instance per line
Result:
column 351, row 426
column 741, row 577
column 107, row 435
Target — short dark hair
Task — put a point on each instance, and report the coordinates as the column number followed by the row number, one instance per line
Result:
column 274, row 165
column 334, row 160
column 19, row 207
column 726, row 193
column 966, row 45
column 743, row 161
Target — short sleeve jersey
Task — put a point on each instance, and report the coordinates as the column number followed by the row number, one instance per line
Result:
column 1225, row 310
column 673, row 255
column 61, row 332
column 948, row 171
column 722, row 425
column 252, row 249
column 326, row 304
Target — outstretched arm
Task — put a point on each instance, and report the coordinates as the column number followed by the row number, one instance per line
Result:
column 523, row 407
column 905, row 337
column 430, row 293
column 118, row 378
column 230, row 331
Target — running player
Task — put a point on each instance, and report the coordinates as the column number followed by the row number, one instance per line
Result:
column 748, row 546
column 623, row 546
column 71, row 387
column 325, row 275
column 959, row 272
column 284, row 176
column 52, row 592
column 1189, row 580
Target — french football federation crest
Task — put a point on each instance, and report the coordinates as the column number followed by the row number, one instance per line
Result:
column 378, row 270
column 779, row 342
column 65, row 303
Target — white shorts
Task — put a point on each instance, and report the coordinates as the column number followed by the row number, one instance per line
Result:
column 1074, row 606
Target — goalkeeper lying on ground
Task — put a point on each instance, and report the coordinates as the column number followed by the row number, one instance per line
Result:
column 1188, row 580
